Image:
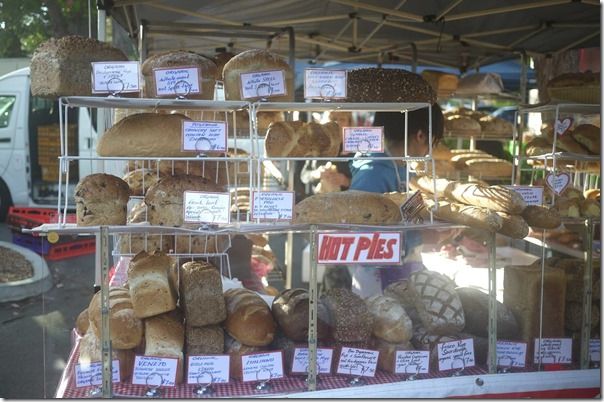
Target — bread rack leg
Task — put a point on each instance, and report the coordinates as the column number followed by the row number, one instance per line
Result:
column 587, row 294
column 312, row 312
column 103, row 250
column 492, row 361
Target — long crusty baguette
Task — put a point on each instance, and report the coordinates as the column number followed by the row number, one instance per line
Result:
column 513, row 226
column 476, row 217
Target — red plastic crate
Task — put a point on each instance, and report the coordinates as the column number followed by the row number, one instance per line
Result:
column 57, row 251
column 29, row 217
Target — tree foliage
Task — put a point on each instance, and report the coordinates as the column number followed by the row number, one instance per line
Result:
column 24, row 24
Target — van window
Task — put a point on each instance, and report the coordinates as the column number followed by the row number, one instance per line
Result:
column 7, row 103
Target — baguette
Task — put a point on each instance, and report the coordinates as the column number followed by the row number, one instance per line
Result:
column 537, row 216
column 513, row 226
column 476, row 217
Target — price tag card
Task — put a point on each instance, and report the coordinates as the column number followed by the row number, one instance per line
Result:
column 206, row 207
column 208, row 369
column 363, row 139
column 594, row 350
column 262, row 366
column 532, row 195
column 359, row 248
column 92, row 374
column 177, row 81
column 262, row 84
column 412, row 362
column 358, row 362
column 115, row 77
column 456, row 355
column 273, row 205
column 154, row 371
column 562, row 125
column 511, row 354
column 554, row 350
column 301, row 356
column 203, row 136
column 557, row 182
column 324, row 84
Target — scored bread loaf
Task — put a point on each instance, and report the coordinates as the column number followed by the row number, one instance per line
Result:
column 249, row 319
column 589, row 136
column 492, row 126
column 391, row 322
column 208, row 339
column 125, row 328
column 165, row 337
column 354, row 207
column 290, row 309
column 90, row 352
column 541, row 217
column 201, row 294
column 297, row 138
column 101, row 199
column 149, row 285
column 387, row 85
column 349, row 317
column 476, row 217
column 513, row 226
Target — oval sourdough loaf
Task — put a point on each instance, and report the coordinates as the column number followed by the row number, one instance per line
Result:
column 513, row 226
column 297, row 138
column 249, row 319
column 201, row 294
column 101, row 199
column 391, row 322
column 349, row 317
column 290, row 309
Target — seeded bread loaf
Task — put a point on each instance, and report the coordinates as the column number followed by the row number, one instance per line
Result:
column 201, row 294
column 589, row 136
column 541, row 217
column 388, row 85
column 349, row 317
column 208, row 339
column 139, row 180
column 101, row 199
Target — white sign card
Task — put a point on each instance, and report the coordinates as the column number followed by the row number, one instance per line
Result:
column 262, row 366
column 553, row 350
column 412, row 362
column 562, row 125
column 154, row 371
column 92, row 374
column 115, row 77
column 557, row 182
column 359, row 248
column 204, row 136
column 262, row 84
column 206, row 207
column 456, row 355
column 206, row 369
column 273, row 205
column 594, row 350
column 324, row 84
column 511, row 354
column 358, row 362
column 301, row 356
column 177, row 81
column 363, row 139
column 532, row 195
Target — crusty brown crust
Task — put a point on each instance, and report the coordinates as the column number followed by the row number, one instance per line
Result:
column 249, row 319
column 101, row 199
column 388, row 85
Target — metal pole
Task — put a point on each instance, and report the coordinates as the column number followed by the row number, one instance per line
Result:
column 338, row 35
column 447, row 9
column 105, row 330
column 313, row 300
column 492, row 363
column 507, row 9
column 587, row 296
column 381, row 10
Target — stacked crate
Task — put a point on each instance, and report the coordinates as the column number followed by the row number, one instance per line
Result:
column 49, row 150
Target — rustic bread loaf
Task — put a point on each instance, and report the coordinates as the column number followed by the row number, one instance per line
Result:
column 204, row 340
column 249, row 319
column 589, row 136
column 90, row 352
column 82, row 322
column 476, row 217
column 290, row 309
column 185, row 243
column 101, row 199
column 513, row 226
column 459, row 159
column 590, row 208
column 541, row 217
column 444, row 84
column 391, row 322
column 574, row 80
column 387, row 356
column 492, row 126
column 355, row 207
column 256, row 60
column 349, row 317
column 568, row 207
column 538, row 146
column 165, row 337
column 201, row 294
column 208, row 72
column 462, row 126
column 476, row 312
column 125, row 328
column 489, row 167
column 568, row 143
column 61, row 67
column 149, row 285
column 235, row 350
column 297, row 138
column 387, row 85
column 139, row 180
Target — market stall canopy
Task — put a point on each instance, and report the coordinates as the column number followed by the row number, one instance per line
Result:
column 448, row 33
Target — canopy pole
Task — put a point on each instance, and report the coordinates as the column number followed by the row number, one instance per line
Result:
column 413, row 57
column 450, row 7
column 380, row 25
column 507, row 9
column 381, row 10
column 338, row 35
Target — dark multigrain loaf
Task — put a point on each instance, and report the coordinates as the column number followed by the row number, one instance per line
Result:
column 201, row 294
column 61, row 67
column 476, row 311
column 101, row 199
column 290, row 309
column 388, row 85
column 208, row 339
column 349, row 317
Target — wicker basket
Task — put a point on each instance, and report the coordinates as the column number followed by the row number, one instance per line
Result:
column 580, row 94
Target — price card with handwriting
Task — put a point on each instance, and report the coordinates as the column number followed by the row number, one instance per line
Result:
column 359, row 248
column 553, row 350
column 177, row 81
column 532, row 195
column 154, row 371
column 204, row 136
column 511, row 354
column 358, row 362
column 262, row 366
column 456, row 355
column 324, row 84
column 273, row 205
column 412, row 362
column 206, row 207
column 263, row 84
column 594, row 350
column 301, row 356
column 206, row 369
column 363, row 139
column 115, row 77
column 92, row 374
column 563, row 125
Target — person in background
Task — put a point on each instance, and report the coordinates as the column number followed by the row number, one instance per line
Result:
column 388, row 175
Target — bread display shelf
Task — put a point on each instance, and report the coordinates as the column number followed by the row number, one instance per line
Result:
column 148, row 103
column 564, row 156
column 339, row 106
column 567, row 107
column 481, row 136
column 560, row 248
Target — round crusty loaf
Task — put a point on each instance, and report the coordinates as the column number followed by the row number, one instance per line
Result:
column 349, row 317
column 145, row 134
column 462, row 126
column 589, row 136
column 538, row 216
column 249, row 319
column 296, row 138
column 125, row 328
column 208, row 72
column 513, row 226
column 290, row 309
column 101, row 199
column 388, row 85
column 391, row 322
column 201, row 293
column 252, row 61
column 139, row 180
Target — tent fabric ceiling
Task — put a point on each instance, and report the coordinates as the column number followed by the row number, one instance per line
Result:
column 452, row 33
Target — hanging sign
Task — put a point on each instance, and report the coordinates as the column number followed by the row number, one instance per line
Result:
column 562, row 125
column 363, row 139
column 324, row 84
column 359, row 248
column 557, row 182
column 115, row 77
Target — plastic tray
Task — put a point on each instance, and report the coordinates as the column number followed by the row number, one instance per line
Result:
column 28, row 217
column 57, row 251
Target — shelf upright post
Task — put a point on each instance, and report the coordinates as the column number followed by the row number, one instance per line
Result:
column 492, row 361
column 105, row 334
column 587, row 295
column 313, row 300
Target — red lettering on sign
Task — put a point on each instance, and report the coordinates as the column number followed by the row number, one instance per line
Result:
column 390, row 248
column 347, row 242
column 324, row 247
column 334, row 249
column 363, row 244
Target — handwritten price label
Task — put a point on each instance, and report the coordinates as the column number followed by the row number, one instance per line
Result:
column 262, row 366
column 115, row 77
column 273, row 205
column 324, row 84
column 412, row 362
column 92, row 374
column 511, row 354
column 456, row 355
column 553, row 350
column 263, row 84
column 359, row 362
column 204, row 136
column 594, row 350
column 206, row 207
column 532, row 195
column 208, row 369
column 563, row 125
column 154, row 371
column 363, row 139
column 177, row 81
column 301, row 356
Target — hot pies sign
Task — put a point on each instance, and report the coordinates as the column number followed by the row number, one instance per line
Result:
column 359, row 248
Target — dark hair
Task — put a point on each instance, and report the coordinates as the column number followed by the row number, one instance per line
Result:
column 394, row 123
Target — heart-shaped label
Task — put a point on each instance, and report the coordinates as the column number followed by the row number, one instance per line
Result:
column 557, row 182
column 562, row 126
